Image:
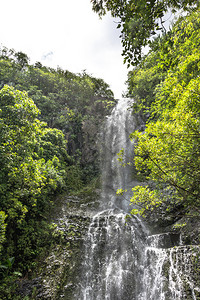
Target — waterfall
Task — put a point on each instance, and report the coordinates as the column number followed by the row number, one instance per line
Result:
column 121, row 261
column 111, row 258
column 115, row 137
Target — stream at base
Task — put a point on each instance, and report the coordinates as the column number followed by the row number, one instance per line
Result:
column 121, row 260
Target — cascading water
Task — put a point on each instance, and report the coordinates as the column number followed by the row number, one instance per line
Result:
column 168, row 272
column 121, row 262
column 115, row 137
column 111, row 260
column 113, row 246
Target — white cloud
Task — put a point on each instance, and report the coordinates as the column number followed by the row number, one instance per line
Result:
column 47, row 56
column 65, row 33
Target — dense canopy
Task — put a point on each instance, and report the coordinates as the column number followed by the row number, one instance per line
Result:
column 48, row 129
column 168, row 151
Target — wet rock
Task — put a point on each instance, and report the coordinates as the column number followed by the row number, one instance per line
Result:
column 164, row 240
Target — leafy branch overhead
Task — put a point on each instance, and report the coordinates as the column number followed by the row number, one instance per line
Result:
column 139, row 21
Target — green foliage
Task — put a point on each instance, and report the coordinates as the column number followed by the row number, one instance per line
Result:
column 167, row 153
column 33, row 167
column 6, row 267
column 41, row 153
column 74, row 180
column 25, row 174
column 2, row 228
column 139, row 21
column 144, row 199
column 142, row 82
column 178, row 225
column 121, row 191
column 166, row 54
column 65, row 100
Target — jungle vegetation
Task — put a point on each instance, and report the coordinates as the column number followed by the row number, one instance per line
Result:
column 165, row 87
column 46, row 149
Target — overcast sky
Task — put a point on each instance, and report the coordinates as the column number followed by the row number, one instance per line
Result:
column 65, row 33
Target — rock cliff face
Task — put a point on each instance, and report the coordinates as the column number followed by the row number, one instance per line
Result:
column 58, row 273
column 170, row 269
column 60, row 270
column 174, row 251
column 87, row 135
